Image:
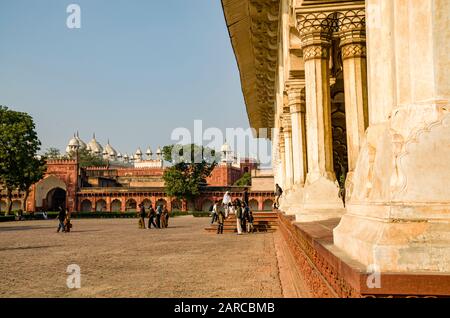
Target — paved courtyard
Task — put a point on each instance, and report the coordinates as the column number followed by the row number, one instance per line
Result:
column 119, row 260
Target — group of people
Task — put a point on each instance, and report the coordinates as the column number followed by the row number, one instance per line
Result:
column 64, row 217
column 240, row 208
column 159, row 218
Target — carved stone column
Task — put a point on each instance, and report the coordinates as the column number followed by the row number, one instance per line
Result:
column 321, row 199
column 289, row 166
column 297, row 110
column 281, row 149
column 352, row 32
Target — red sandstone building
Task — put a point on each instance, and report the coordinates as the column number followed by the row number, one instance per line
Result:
column 122, row 187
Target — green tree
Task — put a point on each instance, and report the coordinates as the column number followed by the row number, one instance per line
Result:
column 245, row 180
column 33, row 172
column 191, row 165
column 88, row 159
column 53, row 153
column 19, row 145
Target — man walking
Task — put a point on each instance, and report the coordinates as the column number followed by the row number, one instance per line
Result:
column 151, row 217
column 239, row 217
column 214, row 211
column 245, row 197
column 158, row 216
column 61, row 219
column 278, row 193
column 220, row 219
column 142, row 216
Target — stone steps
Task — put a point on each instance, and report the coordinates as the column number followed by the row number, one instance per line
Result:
column 263, row 222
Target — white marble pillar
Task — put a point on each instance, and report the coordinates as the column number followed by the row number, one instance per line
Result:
column 289, row 165
column 321, row 193
column 398, row 216
column 297, row 110
column 352, row 33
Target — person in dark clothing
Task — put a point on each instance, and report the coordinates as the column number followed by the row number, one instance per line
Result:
column 67, row 221
column 61, row 219
column 141, row 216
column 220, row 220
column 245, row 197
column 278, row 193
column 250, row 227
column 158, row 216
column 151, row 218
column 166, row 216
column 245, row 217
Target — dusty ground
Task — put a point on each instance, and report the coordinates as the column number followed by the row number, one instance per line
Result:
column 119, row 260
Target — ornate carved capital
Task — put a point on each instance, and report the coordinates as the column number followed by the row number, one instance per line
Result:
column 296, row 96
column 315, row 33
column 352, row 26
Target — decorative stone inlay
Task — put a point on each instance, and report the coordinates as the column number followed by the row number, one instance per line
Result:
column 354, row 50
column 315, row 52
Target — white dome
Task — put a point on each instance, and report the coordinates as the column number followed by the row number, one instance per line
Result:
column 110, row 150
column 81, row 143
column 139, row 152
column 94, row 146
column 158, row 151
column 74, row 142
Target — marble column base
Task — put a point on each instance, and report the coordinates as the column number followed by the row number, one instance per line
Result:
column 294, row 200
column 395, row 245
column 320, row 201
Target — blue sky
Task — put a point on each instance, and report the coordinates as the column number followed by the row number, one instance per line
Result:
column 135, row 70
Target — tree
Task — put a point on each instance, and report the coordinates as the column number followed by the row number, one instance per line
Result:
column 88, row 159
column 191, row 165
column 53, row 153
column 19, row 145
column 245, row 180
column 33, row 172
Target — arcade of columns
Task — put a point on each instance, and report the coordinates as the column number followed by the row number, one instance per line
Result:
column 358, row 94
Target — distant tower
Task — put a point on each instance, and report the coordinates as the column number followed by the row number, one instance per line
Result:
column 149, row 153
column 227, row 154
column 138, row 155
column 158, row 153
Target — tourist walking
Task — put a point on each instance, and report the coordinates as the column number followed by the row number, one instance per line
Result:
column 245, row 215
column 158, row 216
column 245, row 197
column 250, row 227
column 166, row 216
column 214, row 211
column 67, row 221
column 220, row 219
column 141, row 216
column 162, row 219
column 226, row 203
column 61, row 219
column 278, row 193
column 151, row 217
column 239, row 217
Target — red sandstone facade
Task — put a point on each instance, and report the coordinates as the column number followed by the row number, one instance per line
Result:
column 122, row 189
